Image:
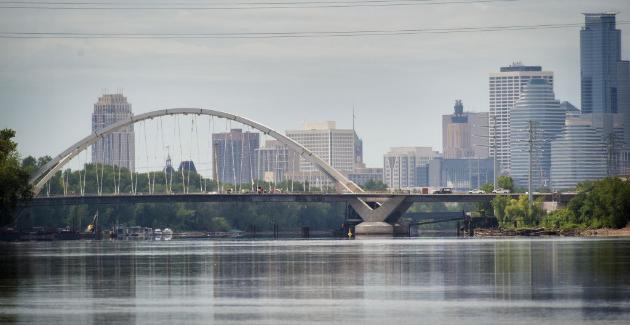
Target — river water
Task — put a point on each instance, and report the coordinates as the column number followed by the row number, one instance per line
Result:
column 395, row 281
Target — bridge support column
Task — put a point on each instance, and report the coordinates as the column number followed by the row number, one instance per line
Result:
column 381, row 219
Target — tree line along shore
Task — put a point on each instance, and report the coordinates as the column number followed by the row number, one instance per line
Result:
column 600, row 207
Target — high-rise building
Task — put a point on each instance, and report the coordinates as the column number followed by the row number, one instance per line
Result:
column 623, row 98
column 187, row 166
column 234, row 156
column 407, row 167
column 569, row 109
column 117, row 148
column 461, row 174
column 464, row 134
column 537, row 117
column 275, row 162
column 581, row 152
column 600, row 52
column 341, row 148
column 479, row 134
column 361, row 176
column 605, row 85
column 505, row 89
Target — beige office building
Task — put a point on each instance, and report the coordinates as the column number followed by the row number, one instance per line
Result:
column 116, row 148
column 341, row 148
column 465, row 134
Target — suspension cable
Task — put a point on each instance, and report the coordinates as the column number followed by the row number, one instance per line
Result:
column 181, row 152
column 80, row 179
column 249, row 156
column 223, row 168
column 292, row 168
column 98, row 184
column 146, row 154
column 160, row 128
column 190, row 149
column 232, row 154
column 215, row 155
column 198, row 152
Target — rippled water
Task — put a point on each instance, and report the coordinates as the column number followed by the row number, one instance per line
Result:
column 428, row 281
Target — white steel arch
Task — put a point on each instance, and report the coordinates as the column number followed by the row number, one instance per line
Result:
column 43, row 175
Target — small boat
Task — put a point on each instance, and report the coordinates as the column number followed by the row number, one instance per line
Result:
column 167, row 234
column 136, row 232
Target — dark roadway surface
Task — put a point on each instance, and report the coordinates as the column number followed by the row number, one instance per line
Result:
column 254, row 197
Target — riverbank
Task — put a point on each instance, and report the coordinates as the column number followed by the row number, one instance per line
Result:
column 535, row 232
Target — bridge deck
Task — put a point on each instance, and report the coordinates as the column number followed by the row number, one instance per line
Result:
column 284, row 197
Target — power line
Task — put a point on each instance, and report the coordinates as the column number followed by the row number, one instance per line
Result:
column 315, row 34
column 52, row 5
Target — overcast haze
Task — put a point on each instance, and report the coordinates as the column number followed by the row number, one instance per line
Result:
column 398, row 84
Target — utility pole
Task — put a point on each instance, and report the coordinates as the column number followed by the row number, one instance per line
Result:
column 531, row 151
column 494, row 146
column 610, row 168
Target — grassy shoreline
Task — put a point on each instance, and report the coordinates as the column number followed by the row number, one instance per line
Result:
column 537, row 232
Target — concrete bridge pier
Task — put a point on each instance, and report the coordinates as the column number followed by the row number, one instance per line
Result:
column 380, row 215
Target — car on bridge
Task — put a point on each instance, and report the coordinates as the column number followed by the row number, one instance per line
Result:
column 499, row 190
column 476, row 191
column 444, row 190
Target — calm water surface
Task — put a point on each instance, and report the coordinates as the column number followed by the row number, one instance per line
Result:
column 398, row 281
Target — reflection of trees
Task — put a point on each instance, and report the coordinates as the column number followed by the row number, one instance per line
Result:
column 286, row 270
column 295, row 270
column 14, row 266
column 525, row 270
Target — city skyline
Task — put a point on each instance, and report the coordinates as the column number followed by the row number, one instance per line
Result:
column 410, row 82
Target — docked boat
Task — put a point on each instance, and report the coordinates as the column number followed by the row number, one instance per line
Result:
column 167, row 234
column 134, row 233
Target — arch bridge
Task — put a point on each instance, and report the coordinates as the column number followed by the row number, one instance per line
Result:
column 379, row 211
column 375, row 212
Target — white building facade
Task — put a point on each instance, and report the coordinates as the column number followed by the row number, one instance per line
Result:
column 582, row 151
column 505, row 89
column 403, row 166
column 539, row 107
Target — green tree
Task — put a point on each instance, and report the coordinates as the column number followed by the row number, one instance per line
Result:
column 505, row 182
column 519, row 210
column 374, row 185
column 560, row 219
column 498, row 205
column 488, row 187
column 14, row 178
column 604, row 203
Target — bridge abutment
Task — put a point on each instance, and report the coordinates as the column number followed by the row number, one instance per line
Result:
column 380, row 215
column 379, row 228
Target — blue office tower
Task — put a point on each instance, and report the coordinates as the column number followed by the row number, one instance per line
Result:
column 600, row 52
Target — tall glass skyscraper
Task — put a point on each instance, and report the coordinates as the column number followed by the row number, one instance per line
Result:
column 538, row 106
column 605, row 82
column 600, row 51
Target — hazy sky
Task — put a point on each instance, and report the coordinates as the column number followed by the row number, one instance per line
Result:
column 398, row 84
